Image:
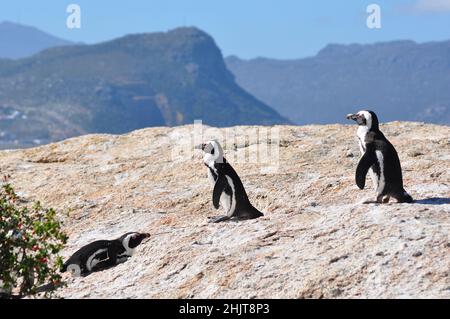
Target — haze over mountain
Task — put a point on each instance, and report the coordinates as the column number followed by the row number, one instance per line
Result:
column 400, row 80
column 19, row 41
column 136, row 81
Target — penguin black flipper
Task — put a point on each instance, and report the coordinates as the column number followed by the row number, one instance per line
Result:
column 219, row 187
column 369, row 158
column 110, row 261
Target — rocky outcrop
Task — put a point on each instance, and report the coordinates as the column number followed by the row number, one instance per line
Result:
column 315, row 240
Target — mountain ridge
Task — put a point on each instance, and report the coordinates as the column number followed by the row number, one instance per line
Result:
column 24, row 40
column 403, row 80
column 150, row 79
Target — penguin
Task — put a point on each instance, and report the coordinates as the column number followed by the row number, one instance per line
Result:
column 101, row 254
column 228, row 188
column 380, row 157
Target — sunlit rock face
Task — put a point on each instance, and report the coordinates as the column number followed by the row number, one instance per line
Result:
column 315, row 240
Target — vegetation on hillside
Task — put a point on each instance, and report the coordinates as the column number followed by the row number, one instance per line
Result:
column 30, row 241
column 133, row 82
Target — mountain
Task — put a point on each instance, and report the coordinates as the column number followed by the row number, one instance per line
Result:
column 316, row 239
column 19, row 41
column 400, row 80
column 136, row 81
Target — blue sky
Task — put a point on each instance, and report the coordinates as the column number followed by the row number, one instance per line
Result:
column 247, row 28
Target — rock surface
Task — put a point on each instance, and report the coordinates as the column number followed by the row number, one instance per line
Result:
column 315, row 240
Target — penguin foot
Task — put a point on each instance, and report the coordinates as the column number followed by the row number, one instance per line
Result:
column 403, row 197
column 218, row 219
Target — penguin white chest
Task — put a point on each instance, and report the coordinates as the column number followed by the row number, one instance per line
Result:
column 225, row 202
column 361, row 133
column 225, row 199
column 381, row 180
column 125, row 255
column 230, row 199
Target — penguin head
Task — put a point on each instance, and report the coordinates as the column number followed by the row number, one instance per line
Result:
column 213, row 152
column 365, row 118
column 132, row 240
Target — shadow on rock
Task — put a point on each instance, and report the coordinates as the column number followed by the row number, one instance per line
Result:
column 433, row 201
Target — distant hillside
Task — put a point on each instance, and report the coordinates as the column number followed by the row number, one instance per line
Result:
column 19, row 41
column 400, row 80
column 129, row 83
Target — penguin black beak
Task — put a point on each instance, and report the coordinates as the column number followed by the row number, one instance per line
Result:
column 353, row 117
column 142, row 236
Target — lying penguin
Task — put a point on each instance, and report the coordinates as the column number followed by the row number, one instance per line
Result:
column 102, row 254
column 228, row 188
column 380, row 158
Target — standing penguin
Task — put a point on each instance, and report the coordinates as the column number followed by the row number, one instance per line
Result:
column 228, row 188
column 380, row 157
column 101, row 254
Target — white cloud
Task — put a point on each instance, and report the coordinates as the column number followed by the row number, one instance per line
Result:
column 431, row 6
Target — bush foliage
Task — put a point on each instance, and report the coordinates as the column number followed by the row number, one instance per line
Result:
column 30, row 241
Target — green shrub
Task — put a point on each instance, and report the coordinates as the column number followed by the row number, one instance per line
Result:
column 30, row 241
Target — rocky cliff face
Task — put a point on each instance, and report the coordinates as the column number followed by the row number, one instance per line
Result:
column 315, row 240
column 136, row 81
